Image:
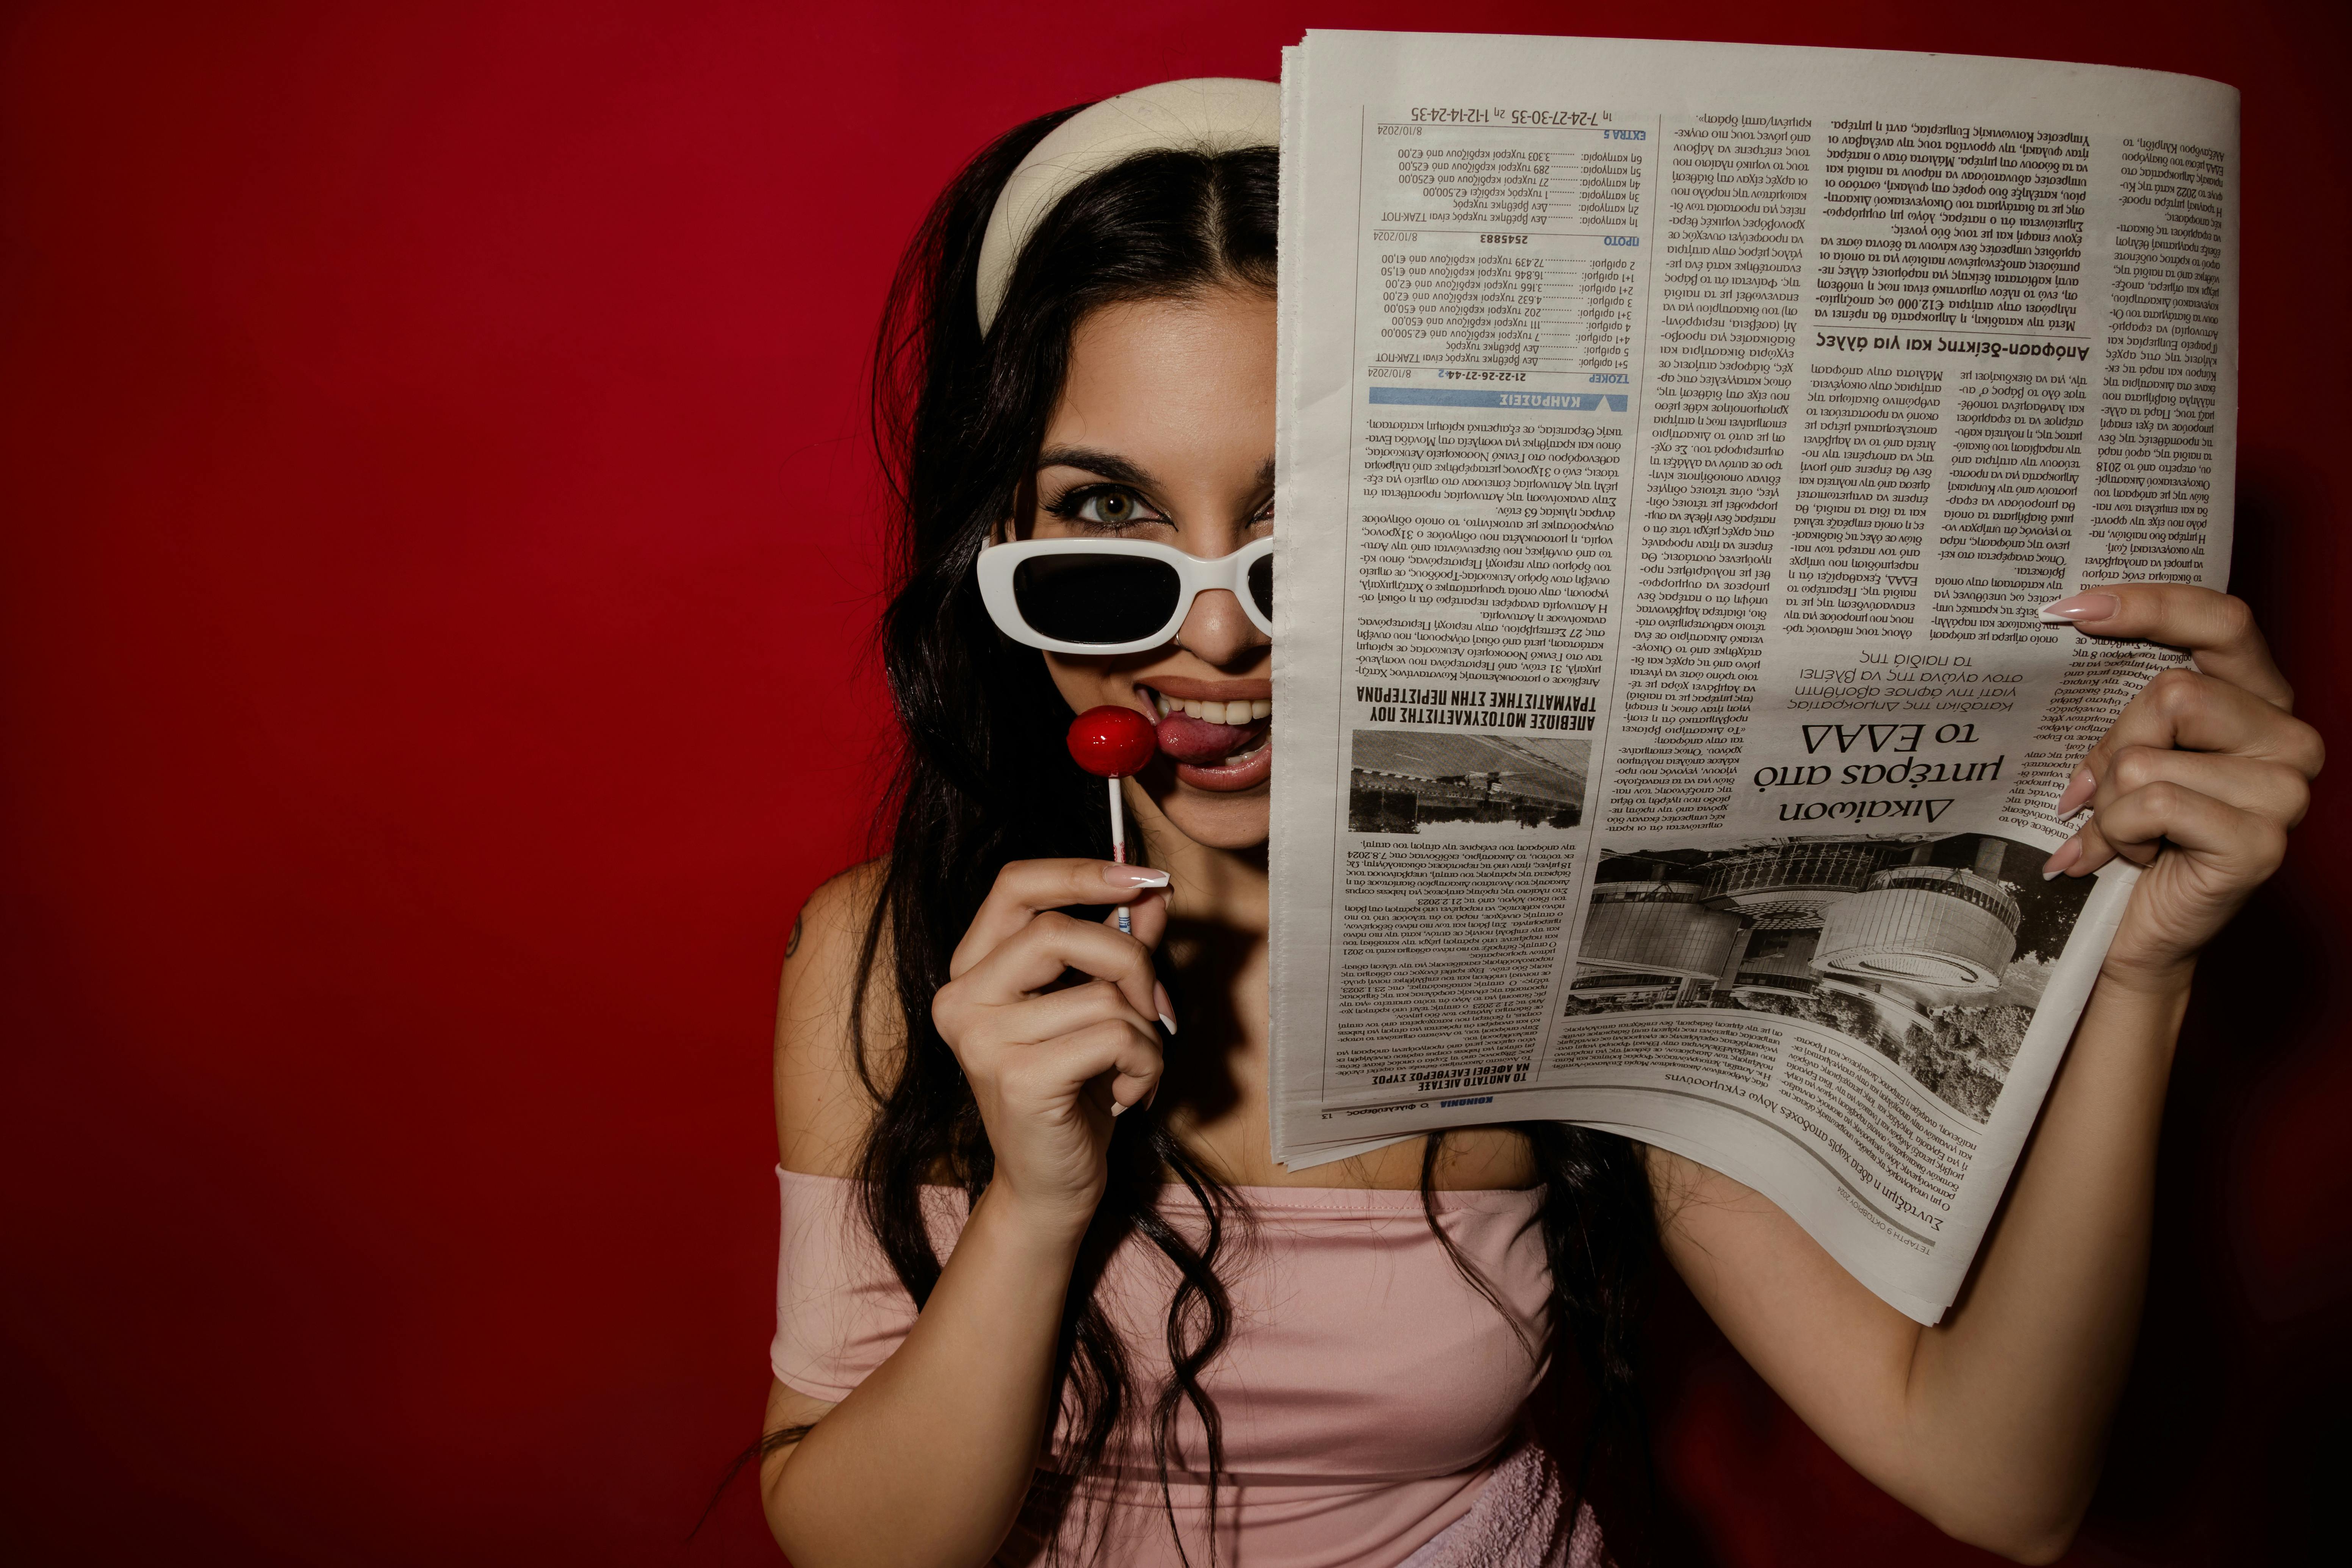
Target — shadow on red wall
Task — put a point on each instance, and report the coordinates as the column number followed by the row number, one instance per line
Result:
column 437, row 583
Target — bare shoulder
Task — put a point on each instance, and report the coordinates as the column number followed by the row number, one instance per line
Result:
column 823, row 1102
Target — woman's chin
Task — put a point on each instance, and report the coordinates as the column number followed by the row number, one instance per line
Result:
column 1232, row 822
column 1221, row 808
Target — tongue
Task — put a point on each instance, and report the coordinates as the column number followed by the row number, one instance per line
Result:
column 1198, row 741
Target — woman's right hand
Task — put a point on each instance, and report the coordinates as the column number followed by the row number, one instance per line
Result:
column 1052, row 1059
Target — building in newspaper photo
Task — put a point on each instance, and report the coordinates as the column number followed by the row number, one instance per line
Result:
column 1407, row 781
column 1932, row 952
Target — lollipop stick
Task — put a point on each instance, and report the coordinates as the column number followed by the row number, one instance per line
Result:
column 1110, row 742
column 1118, row 840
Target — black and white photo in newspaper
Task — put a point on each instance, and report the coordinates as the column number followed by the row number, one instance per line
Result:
column 1679, row 441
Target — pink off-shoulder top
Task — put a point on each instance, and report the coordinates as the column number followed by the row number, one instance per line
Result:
column 1366, row 1394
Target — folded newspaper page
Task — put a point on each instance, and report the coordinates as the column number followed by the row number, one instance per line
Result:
column 1678, row 441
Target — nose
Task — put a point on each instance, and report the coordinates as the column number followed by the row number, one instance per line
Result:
column 1217, row 631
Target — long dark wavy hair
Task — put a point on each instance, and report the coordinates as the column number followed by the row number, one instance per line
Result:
column 981, row 779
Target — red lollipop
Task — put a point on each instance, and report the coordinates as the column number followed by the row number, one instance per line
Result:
column 1112, row 742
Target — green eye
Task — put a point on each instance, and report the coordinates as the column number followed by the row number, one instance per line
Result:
column 1103, row 506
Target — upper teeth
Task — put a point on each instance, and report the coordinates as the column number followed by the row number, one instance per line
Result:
column 1214, row 712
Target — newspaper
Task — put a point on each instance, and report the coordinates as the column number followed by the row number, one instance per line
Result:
column 1677, row 442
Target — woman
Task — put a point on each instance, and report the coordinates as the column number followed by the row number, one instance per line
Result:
column 1045, row 1292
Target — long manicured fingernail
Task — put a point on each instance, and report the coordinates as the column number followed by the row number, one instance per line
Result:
column 1117, row 1108
column 1167, row 1008
column 1124, row 878
column 2069, row 854
column 2079, row 791
column 2080, row 610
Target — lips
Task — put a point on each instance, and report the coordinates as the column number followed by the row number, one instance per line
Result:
column 1247, row 770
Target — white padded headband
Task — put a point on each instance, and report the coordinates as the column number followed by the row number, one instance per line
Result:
column 1205, row 115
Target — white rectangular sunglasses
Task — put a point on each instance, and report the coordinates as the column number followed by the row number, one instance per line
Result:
column 1114, row 595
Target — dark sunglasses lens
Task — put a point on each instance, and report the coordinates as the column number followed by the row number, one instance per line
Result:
column 1096, row 599
column 1261, row 584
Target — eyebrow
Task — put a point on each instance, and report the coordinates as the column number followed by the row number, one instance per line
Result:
column 1109, row 465
column 1113, row 467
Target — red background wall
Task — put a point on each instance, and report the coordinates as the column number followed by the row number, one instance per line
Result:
column 434, row 586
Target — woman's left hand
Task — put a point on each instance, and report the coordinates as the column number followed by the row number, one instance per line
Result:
column 2199, row 780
